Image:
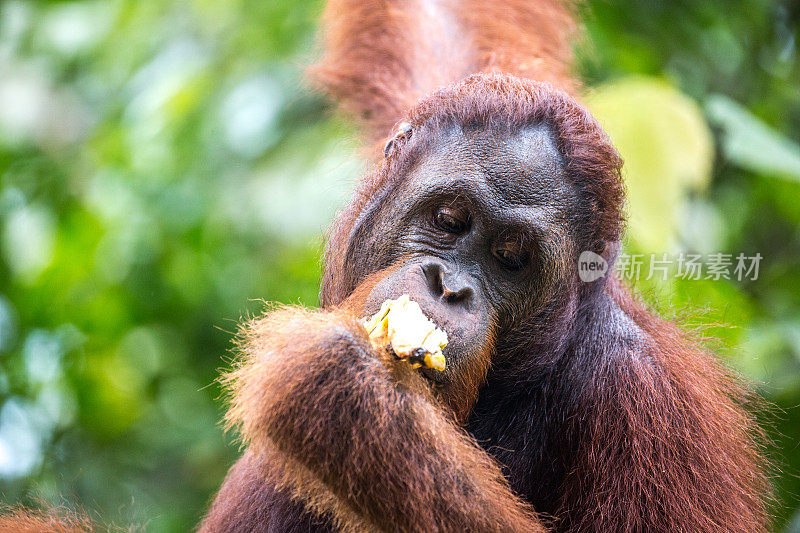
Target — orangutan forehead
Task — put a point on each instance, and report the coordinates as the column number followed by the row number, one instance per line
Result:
column 522, row 167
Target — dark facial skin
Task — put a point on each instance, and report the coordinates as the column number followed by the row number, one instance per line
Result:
column 480, row 229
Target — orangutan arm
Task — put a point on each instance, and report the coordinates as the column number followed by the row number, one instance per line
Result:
column 356, row 433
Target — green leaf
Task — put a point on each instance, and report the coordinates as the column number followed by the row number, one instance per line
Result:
column 751, row 144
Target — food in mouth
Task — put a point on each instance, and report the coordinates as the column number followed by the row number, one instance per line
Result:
column 410, row 334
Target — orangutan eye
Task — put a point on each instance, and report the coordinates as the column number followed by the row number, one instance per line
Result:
column 451, row 221
column 509, row 255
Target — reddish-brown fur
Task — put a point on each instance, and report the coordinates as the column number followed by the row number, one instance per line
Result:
column 288, row 376
column 23, row 520
column 381, row 57
column 686, row 450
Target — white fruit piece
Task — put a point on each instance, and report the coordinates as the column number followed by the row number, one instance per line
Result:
column 401, row 324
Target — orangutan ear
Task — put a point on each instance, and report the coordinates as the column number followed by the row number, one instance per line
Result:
column 402, row 133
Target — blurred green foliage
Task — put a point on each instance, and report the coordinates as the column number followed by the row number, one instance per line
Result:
column 161, row 166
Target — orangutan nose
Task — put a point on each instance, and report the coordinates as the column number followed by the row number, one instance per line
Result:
column 454, row 288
